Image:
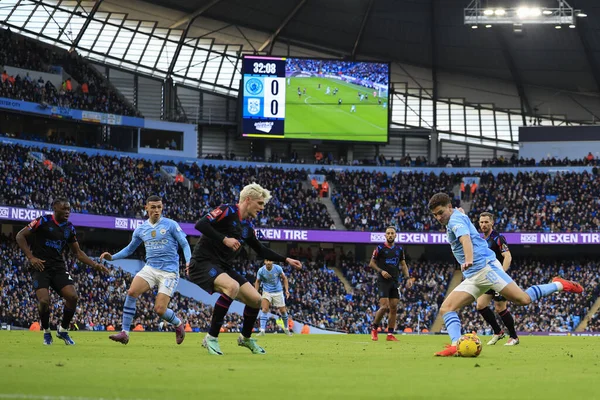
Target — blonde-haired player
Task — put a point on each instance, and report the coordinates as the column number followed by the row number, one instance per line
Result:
column 224, row 231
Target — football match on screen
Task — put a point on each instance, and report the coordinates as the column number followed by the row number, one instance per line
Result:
column 334, row 199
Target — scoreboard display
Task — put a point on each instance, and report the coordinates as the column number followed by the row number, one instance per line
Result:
column 264, row 96
column 314, row 99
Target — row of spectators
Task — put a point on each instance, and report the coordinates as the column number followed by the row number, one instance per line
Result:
column 562, row 202
column 371, row 201
column 367, row 201
column 364, row 71
column 119, row 186
column 93, row 92
column 514, row 161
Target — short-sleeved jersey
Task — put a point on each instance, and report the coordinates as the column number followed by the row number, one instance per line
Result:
column 226, row 220
column 271, row 280
column 497, row 243
column 458, row 226
column 49, row 239
column 389, row 258
column 161, row 241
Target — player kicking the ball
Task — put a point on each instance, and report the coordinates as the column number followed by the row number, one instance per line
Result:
column 481, row 269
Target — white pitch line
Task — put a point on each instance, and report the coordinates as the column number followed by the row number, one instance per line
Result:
column 42, row 397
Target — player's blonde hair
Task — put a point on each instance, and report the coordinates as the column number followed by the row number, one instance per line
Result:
column 255, row 191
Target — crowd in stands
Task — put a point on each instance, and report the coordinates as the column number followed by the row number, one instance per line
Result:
column 560, row 312
column 562, row 202
column 369, row 72
column 453, row 162
column 86, row 89
column 514, row 161
column 317, row 296
column 365, row 201
column 372, row 201
column 417, row 307
column 101, row 296
column 119, row 186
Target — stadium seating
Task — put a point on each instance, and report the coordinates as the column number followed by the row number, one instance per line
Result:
column 94, row 92
column 119, row 186
column 540, row 201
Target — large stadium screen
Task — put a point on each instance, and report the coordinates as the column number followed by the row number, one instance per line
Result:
column 315, row 99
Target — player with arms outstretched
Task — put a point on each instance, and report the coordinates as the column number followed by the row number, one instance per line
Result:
column 48, row 236
column 481, row 269
column 271, row 277
column 387, row 260
column 224, row 231
column 161, row 237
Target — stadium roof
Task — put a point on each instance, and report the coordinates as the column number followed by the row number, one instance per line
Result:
column 424, row 33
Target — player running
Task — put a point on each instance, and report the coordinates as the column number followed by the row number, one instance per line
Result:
column 48, row 235
column 224, row 230
column 271, row 277
column 387, row 260
column 481, row 269
column 161, row 237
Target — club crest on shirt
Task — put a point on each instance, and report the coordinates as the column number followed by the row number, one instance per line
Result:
column 163, row 231
column 153, row 234
column 245, row 232
column 66, row 234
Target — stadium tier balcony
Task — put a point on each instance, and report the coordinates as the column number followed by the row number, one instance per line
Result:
column 87, row 90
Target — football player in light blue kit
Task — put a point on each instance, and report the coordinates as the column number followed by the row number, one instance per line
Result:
column 481, row 269
column 161, row 237
column 271, row 276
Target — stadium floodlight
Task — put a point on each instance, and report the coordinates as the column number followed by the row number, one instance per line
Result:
column 529, row 14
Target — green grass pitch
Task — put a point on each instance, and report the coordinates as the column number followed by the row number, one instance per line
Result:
column 152, row 366
column 316, row 115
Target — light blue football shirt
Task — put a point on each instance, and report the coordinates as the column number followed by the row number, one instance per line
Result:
column 460, row 225
column 161, row 241
column 271, row 280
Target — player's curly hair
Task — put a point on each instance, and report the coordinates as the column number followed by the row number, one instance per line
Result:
column 255, row 191
column 59, row 200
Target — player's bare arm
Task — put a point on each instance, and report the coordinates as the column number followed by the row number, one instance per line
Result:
column 22, row 242
column 286, row 286
column 409, row 281
column 81, row 256
column 467, row 244
column 383, row 273
column 506, row 260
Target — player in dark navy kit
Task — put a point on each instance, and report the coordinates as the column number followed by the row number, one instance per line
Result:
column 43, row 242
column 387, row 260
column 224, row 231
column 497, row 243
